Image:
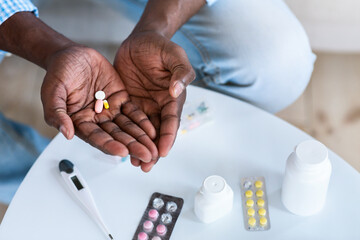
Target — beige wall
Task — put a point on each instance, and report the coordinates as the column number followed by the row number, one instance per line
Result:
column 332, row 25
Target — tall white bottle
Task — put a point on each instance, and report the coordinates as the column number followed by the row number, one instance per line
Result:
column 306, row 180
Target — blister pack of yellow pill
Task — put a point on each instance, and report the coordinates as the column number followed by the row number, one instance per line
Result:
column 255, row 204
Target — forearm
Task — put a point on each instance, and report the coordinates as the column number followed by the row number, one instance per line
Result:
column 167, row 16
column 27, row 36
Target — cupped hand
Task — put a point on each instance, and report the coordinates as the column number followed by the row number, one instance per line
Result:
column 73, row 76
column 155, row 72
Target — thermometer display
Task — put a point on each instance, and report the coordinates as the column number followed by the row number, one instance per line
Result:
column 72, row 176
column 77, row 183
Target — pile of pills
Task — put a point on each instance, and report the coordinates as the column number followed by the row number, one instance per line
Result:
column 254, row 204
column 159, row 218
column 100, row 102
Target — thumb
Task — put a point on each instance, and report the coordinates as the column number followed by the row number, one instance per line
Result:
column 53, row 97
column 64, row 123
column 182, row 73
column 181, row 77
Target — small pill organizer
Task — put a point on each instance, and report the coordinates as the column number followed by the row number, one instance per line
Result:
column 194, row 115
column 159, row 218
column 255, row 204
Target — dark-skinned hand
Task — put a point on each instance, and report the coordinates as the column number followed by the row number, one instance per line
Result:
column 155, row 72
column 73, row 76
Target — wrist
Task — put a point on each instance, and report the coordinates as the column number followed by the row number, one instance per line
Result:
column 162, row 25
column 166, row 17
column 27, row 36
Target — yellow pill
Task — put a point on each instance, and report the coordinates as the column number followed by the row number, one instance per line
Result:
column 249, row 202
column 106, row 104
column 259, row 193
column 248, row 193
column 252, row 221
column 260, row 202
column 251, row 212
column 183, row 131
column 262, row 212
column 263, row 221
column 258, row 184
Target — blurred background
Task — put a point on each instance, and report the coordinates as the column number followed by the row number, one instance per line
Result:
column 329, row 109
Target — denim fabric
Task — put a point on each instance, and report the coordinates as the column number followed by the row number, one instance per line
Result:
column 254, row 50
column 20, row 145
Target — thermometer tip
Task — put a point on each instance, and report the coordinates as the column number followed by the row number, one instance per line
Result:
column 111, row 237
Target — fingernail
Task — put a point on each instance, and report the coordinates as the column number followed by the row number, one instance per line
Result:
column 178, row 88
column 62, row 129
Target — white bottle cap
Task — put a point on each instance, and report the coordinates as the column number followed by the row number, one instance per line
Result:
column 214, row 199
column 311, row 155
column 100, row 95
column 213, row 186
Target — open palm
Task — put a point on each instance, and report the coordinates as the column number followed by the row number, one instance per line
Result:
column 73, row 76
column 155, row 72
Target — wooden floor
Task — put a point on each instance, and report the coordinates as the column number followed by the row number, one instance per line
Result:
column 329, row 109
column 2, row 211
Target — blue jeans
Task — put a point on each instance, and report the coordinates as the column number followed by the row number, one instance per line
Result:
column 20, row 145
column 254, row 50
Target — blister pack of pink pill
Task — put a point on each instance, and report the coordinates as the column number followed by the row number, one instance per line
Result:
column 159, row 218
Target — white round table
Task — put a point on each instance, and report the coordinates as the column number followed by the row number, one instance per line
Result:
column 242, row 140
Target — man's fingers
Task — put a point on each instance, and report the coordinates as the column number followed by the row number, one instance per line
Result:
column 136, row 149
column 155, row 120
column 137, row 133
column 140, row 118
column 180, row 79
column 170, row 120
column 55, row 111
column 135, row 161
column 97, row 137
column 66, row 125
column 182, row 73
column 146, row 167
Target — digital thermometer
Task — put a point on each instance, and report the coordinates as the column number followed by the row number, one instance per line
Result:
column 80, row 189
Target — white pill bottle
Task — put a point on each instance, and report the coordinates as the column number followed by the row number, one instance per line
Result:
column 214, row 199
column 306, row 180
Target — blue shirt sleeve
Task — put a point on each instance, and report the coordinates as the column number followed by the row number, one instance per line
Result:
column 10, row 7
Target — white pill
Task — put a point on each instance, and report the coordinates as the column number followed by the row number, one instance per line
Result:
column 100, row 95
